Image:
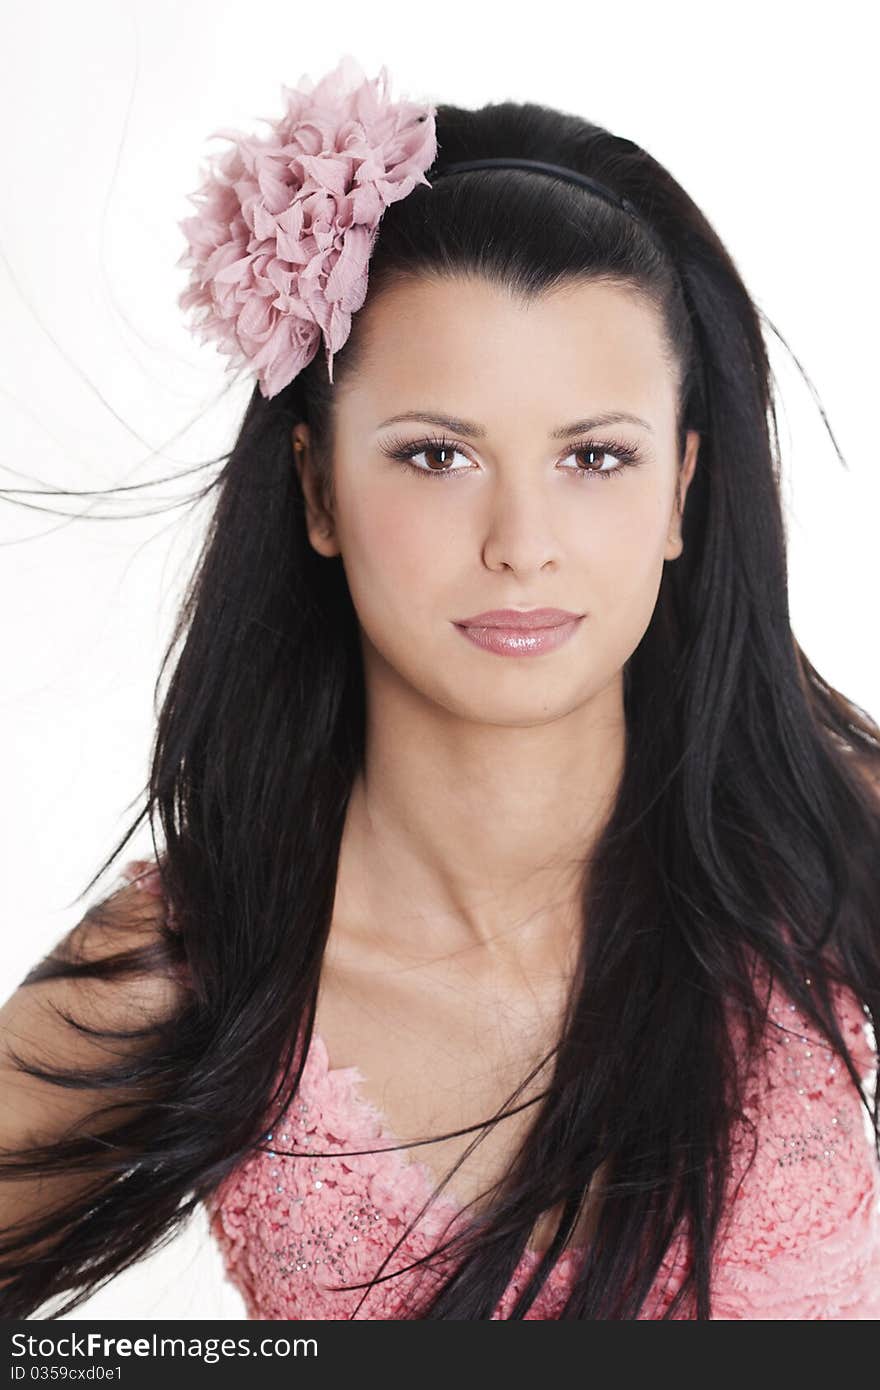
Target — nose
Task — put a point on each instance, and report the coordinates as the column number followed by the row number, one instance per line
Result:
column 521, row 527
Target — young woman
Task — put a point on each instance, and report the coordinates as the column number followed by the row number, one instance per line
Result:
column 512, row 949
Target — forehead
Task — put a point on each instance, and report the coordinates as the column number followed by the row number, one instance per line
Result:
column 445, row 341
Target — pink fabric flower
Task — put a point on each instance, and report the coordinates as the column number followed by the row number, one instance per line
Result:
column 279, row 248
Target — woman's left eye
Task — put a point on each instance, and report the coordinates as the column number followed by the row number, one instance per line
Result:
column 622, row 455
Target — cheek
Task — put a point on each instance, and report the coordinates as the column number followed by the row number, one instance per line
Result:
column 395, row 549
column 623, row 548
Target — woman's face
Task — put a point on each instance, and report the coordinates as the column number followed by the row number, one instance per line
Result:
column 511, row 514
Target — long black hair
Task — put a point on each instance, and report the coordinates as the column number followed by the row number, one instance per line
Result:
column 744, row 828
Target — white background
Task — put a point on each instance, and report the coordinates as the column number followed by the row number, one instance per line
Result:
column 765, row 113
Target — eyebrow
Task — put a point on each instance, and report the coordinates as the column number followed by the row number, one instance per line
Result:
column 475, row 431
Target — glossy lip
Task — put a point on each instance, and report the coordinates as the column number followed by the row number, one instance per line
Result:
column 519, row 641
column 522, row 618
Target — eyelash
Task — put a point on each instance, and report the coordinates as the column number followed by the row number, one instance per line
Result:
column 405, row 450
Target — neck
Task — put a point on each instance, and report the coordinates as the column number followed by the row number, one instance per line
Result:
column 472, row 837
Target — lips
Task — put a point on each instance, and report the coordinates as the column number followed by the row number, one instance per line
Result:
column 543, row 633
column 521, row 619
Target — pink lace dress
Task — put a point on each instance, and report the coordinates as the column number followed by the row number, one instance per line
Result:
column 801, row 1237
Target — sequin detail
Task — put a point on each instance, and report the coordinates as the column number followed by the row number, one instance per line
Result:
column 803, row 1237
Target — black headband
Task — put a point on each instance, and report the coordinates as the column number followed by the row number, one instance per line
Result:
column 561, row 171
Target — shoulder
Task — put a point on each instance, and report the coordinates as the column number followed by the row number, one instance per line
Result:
column 802, row 1218
column 125, row 935
column 62, row 1016
column 59, row 1023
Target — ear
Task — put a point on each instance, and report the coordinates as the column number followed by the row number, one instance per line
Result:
column 319, row 521
column 674, row 542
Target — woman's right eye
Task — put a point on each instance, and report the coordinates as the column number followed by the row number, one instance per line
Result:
column 440, row 452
